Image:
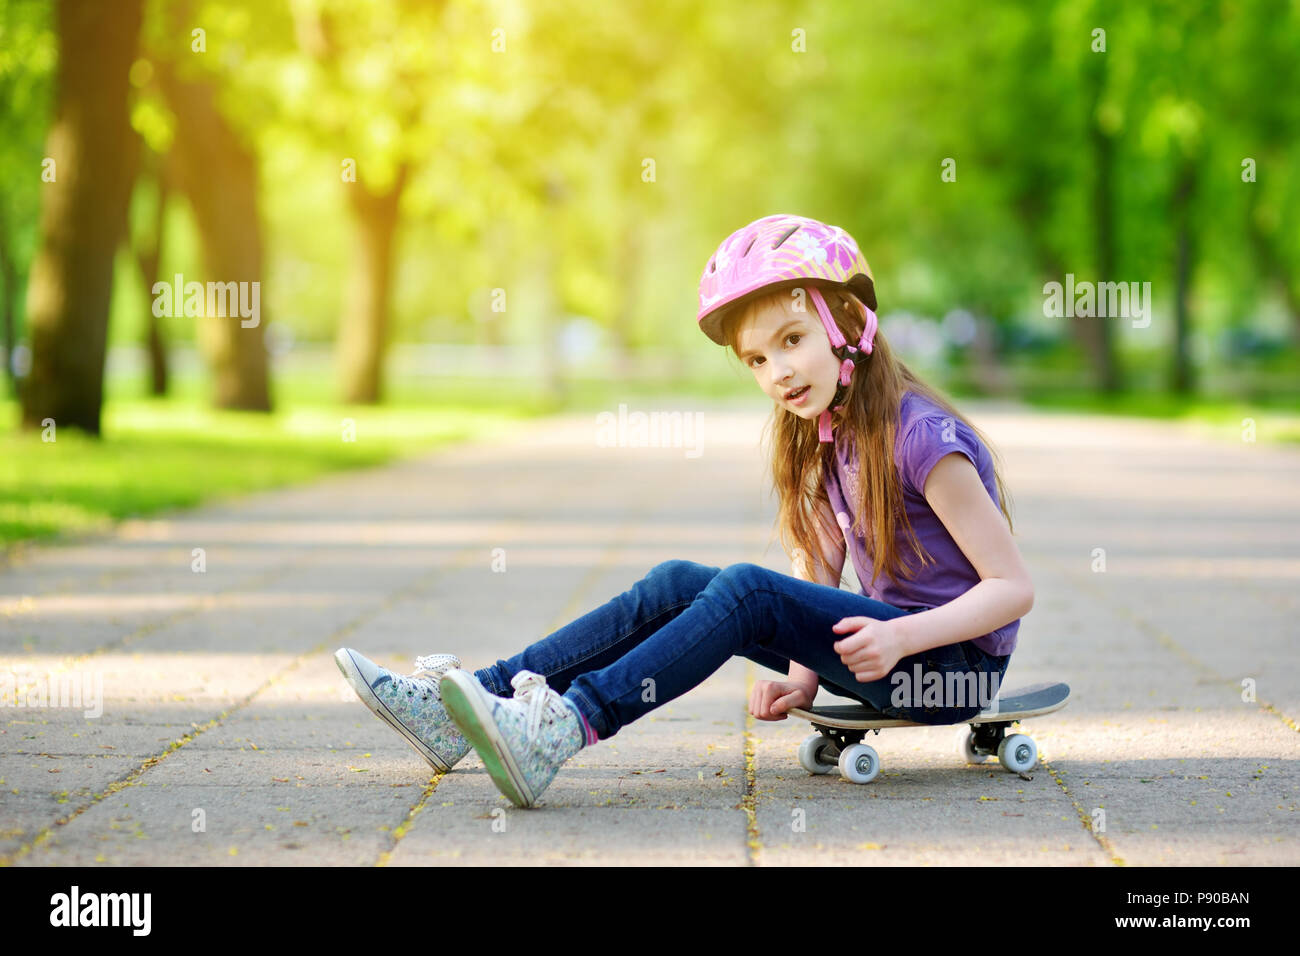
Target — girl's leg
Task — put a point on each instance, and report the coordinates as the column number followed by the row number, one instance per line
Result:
column 748, row 610
column 603, row 636
column 971, row 663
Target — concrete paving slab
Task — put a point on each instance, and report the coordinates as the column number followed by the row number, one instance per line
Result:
column 1166, row 566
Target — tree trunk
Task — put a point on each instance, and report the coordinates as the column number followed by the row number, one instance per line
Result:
column 990, row 373
column 1095, row 332
column 629, row 267
column 83, row 215
column 218, row 174
column 554, row 385
column 1272, row 266
column 491, row 325
column 363, row 330
column 148, row 253
column 8, row 301
column 1182, row 380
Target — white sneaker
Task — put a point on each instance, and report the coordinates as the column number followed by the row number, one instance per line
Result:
column 410, row 704
column 522, row 742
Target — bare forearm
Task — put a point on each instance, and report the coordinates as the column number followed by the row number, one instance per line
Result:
column 804, row 677
column 986, row 607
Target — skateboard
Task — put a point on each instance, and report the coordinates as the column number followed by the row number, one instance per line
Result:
column 840, row 729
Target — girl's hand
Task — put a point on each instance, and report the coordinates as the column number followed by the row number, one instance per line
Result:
column 872, row 648
column 770, row 699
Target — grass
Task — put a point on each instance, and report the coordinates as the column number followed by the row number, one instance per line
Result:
column 158, row 454
column 176, row 452
column 1265, row 391
column 1274, row 419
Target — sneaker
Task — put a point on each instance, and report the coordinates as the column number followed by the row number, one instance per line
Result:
column 522, row 742
column 411, row 704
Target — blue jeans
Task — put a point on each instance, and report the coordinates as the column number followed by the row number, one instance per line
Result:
column 683, row 621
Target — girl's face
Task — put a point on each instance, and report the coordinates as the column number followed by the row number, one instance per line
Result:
column 788, row 350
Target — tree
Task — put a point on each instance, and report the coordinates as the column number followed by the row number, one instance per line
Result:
column 374, row 136
column 217, row 170
column 90, row 156
column 146, row 249
column 214, row 164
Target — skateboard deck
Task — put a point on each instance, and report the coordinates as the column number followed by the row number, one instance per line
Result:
column 840, row 729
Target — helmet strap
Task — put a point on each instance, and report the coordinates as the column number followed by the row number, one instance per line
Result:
column 850, row 356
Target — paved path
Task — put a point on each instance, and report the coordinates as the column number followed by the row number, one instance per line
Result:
column 227, row 735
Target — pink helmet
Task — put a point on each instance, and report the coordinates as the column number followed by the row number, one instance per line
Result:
column 781, row 252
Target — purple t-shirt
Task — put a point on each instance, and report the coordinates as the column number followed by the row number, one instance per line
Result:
column 926, row 433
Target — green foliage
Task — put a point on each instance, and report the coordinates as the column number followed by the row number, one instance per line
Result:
column 527, row 128
column 28, row 54
column 172, row 453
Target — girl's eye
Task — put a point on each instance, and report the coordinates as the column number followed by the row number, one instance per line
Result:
column 758, row 358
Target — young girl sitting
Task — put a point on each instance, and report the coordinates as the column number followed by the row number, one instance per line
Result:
column 868, row 460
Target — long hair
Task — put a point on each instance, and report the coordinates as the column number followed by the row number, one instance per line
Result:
column 870, row 417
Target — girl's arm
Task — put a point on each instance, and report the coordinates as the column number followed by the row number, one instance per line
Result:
column 833, row 548
column 1005, row 592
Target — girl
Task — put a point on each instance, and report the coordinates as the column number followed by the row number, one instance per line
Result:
column 875, row 457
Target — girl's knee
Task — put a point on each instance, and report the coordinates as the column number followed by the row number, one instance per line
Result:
column 745, row 572
column 740, row 579
column 693, row 576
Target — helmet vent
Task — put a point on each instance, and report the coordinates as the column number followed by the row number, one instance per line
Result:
column 785, row 237
column 748, row 247
column 713, row 264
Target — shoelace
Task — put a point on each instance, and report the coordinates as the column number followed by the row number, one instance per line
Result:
column 531, row 689
column 429, row 666
column 436, row 663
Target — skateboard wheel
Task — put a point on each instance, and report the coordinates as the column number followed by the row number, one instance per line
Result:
column 859, row 763
column 1018, row 753
column 813, row 755
column 967, row 748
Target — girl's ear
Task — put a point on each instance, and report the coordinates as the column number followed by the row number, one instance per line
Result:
column 855, row 304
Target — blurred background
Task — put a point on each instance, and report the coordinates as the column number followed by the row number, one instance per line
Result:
column 456, row 215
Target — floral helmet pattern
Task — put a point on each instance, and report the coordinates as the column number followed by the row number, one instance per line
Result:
column 778, row 252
